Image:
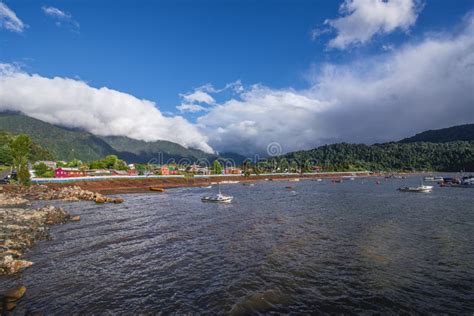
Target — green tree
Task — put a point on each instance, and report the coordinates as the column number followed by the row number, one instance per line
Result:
column 75, row 163
column 97, row 164
column 20, row 148
column 217, row 167
column 247, row 168
column 110, row 161
column 120, row 165
column 43, row 171
column 5, row 155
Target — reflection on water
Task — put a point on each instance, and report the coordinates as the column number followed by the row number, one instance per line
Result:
column 336, row 248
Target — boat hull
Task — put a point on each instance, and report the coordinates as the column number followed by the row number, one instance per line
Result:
column 213, row 200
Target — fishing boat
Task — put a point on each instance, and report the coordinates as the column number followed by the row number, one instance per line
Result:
column 419, row 189
column 219, row 198
column 468, row 180
column 156, row 189
column 433, row 179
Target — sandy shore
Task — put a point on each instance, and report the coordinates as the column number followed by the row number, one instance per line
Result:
column 143, row 185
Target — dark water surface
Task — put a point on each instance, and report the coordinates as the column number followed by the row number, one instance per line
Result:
column 353, row 247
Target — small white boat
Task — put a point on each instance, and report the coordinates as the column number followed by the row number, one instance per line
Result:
column 418, row 189
column 294, row 180
column 207, row 187
column 433, row 179
column 468, row 180
column 229, row 182
column 317, row 180
column 219, row 198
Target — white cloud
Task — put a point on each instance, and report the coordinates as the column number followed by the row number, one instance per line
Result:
column 317, row 32
column 198, row 96
column 191, row 108
column 363, row 19
column 193, row 101
column 60, row 16
column 416, row 87
column 102, row 111
column 9, row 20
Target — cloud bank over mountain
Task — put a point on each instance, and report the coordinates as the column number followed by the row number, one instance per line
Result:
column 419, row 86
column 73, row 103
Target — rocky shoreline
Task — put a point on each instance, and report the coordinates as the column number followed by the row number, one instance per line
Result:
column 21, row 229
column 22, row 226
column 18, row 195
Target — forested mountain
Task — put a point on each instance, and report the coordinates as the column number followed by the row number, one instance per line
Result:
column 447, row 149
column 444, row 135
column 68, row 144
column 451, row 156
column 37, row 151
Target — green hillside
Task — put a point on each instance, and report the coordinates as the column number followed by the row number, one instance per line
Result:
column 64, row 144
column 131, row 148
column 68, row 144
column 451, row 156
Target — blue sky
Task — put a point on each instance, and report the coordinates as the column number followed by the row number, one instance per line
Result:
column 161, row 50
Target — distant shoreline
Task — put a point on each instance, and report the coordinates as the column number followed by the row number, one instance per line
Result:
column 123, row 185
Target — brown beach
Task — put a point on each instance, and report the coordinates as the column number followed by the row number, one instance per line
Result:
column 121, row 185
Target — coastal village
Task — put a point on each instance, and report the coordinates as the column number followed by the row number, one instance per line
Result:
column 163, row 170
column 58, row 171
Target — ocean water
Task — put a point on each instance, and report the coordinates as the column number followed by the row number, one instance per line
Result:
column 321, row 247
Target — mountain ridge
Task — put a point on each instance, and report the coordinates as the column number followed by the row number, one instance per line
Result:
column 463, row 132
column 67, row 143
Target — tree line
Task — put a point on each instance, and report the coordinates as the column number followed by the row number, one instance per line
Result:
column 451, row 156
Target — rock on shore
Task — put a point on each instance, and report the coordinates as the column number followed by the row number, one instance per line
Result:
column 67, row 193
column 9, row 299
column 76, row 193
column 20, row 229
column 12, row 200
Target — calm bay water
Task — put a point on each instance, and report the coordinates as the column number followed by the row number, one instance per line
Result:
column 354, row 247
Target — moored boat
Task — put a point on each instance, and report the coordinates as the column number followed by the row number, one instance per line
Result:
column 157, row 189
column 219, row 198
column 418, row 189
column 433, row 179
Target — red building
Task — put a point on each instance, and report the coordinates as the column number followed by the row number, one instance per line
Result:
column 164, row 170
column 68, row 173
column 233, row 171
